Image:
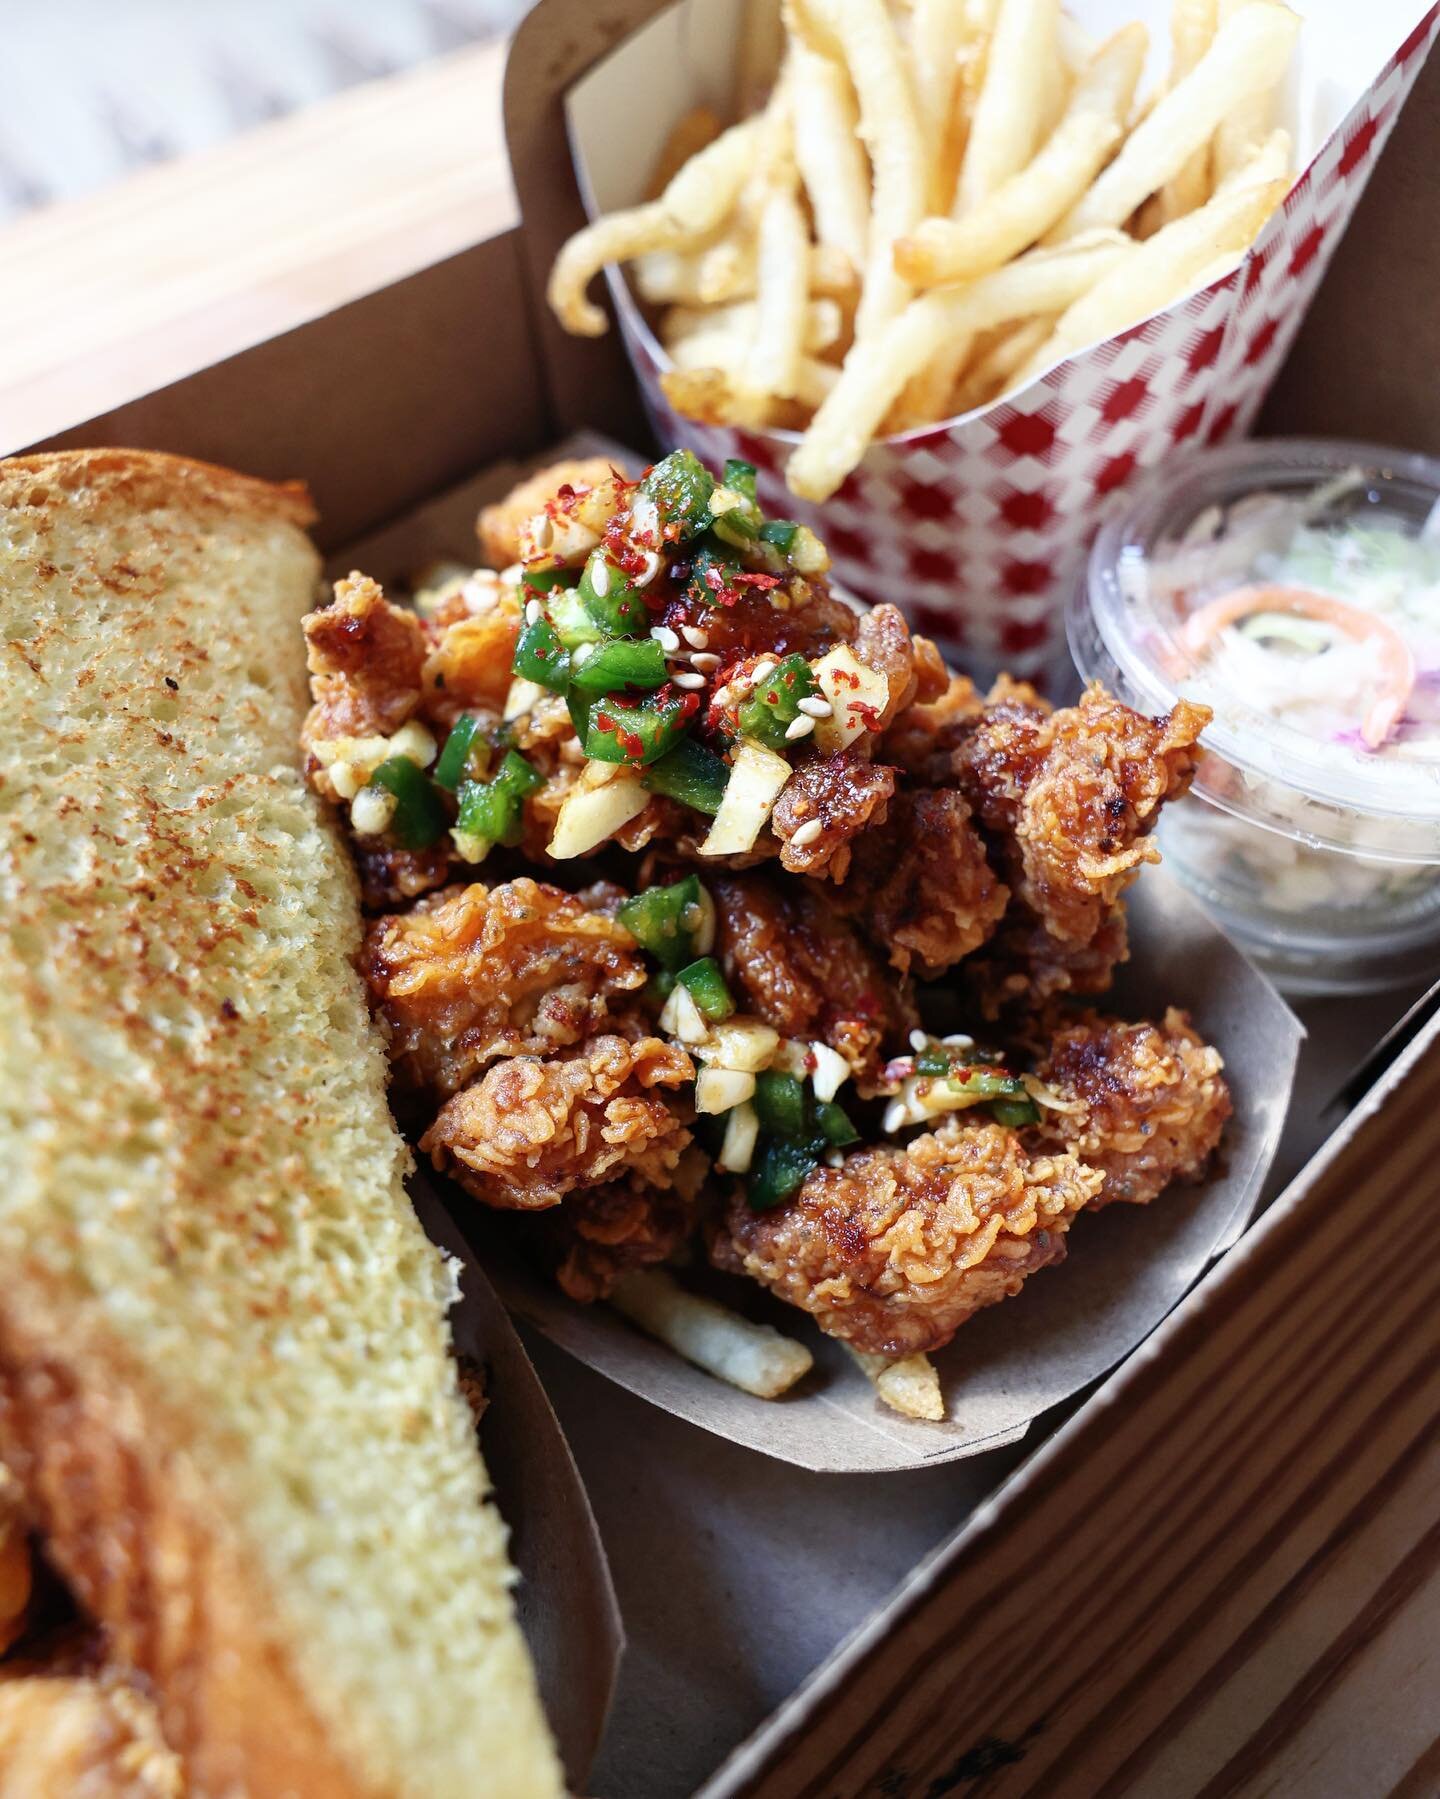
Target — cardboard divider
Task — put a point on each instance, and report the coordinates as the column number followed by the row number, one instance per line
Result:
column 565, row 1599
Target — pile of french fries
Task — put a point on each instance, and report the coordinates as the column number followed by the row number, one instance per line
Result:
column 935, row 202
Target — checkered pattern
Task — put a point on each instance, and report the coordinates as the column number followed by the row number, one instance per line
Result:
column 979, row 530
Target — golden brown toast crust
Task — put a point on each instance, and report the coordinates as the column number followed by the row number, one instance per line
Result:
column 144, row 478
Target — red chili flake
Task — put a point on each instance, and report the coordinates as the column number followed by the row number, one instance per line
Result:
column 631, row 744
column 844, row 675
column 603, row 722
column 764, row 582
column 812, row 1061
column 867, row 715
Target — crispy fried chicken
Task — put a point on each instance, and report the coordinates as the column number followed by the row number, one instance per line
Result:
column 1145, row 1103
column 529, row 1131
column 897, row 1248
column 475, row 973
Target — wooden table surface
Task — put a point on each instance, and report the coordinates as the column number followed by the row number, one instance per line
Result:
column 1248, row 1578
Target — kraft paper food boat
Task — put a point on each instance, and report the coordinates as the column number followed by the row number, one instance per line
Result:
column 978, row 526
column 1126, row 1268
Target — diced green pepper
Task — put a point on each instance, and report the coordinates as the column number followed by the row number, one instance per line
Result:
column 972, row 1084
column 578, row 705
column 774, row 705
column 737, row 527
column 691, row 774
column 834, row 1124
column 664, row 920
column 934, row 1061
column 778, row 1170
column 419, row 817
column 707, row 558
column 708, row 989
column 622, row 662
column 492, row 809
column 540, row 656
column 635, row 731
column 546, row 580
column 611, row 598
column 780, row 532
column 571, row 619
column 1015, row 1114
column 681, row 487
column 780, row 1106
column 464, row 748
column 740, row 477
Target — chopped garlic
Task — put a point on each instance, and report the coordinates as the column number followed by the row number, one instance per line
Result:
column 831, row 1071
column 470, row 847
column 720, row 1089
column 925, row 1096
column 741, row 1044
column 371, row 811
column 682, row 1018
column 742, row 1128
column 757, row 776
column 808, row 555
column 524, row 696
column 793, row 1058
column 346, row 779
column 590, row 814
column 414, row 743
column 854, row 691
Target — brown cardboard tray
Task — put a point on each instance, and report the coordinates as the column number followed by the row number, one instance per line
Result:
column 1076, row 1620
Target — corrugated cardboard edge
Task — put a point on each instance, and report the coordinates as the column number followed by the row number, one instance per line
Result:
column 754, row 1767
column 589, row 380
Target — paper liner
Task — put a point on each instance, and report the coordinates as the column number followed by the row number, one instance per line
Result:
column 564, row 1599
column 979, row 527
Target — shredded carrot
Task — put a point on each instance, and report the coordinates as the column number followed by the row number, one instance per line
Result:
column 1397, row 663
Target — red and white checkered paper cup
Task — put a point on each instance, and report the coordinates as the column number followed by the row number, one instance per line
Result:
column 978, row 528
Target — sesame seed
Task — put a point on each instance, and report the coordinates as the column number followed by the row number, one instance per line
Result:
column 706, row 661
column 816, row 707
column 918, row 1040
column 764, row 668
column 599, row 577
column 807, row 833
column 648, row 570
column 740, row 685
column 894, row 1115
column 583, row 653
column 666, row 638
column 687, row 680
column 722, row 697
column 533, row 609
column 542, row 531
column 801, row 727
column 695, row 637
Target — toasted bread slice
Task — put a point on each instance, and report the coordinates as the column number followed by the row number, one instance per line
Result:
column 225, row 1379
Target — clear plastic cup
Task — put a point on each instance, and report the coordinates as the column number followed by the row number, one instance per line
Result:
column 1294, row 587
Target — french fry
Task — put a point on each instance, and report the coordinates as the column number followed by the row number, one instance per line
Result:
column 688, row 137
column 830, row 154
column 726, row 270
column 780, row 301
column 1006, row 127
column 1023, row 209
column 691, row 207
column 712, row 395
column 877, row 369
column 1249, row 55
column 824, row 324
column 991, row 375
column 1245, row 124
column 907, row 1384
column 753, row 1357
column 1160, row 270
column 939, row 34
column 865, row 36
column 1192, row 29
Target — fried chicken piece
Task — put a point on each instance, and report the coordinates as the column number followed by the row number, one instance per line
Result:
column 1146, row 1103
column 16, row 1574
column 499, row 526
column 365, row 658
column 755, row 621
column 83, row 1734
column 530, row 1131
column 897, row 1248
column 477, row 972
column 998, row 751
column 845, row 794
column 1086, row 814
column 392, row 877
column 920, row 886
column 806, row 971
column 469, row 667
column 923, row 738
column 601, row 1233
column 1024, row 965
column 911, row 665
